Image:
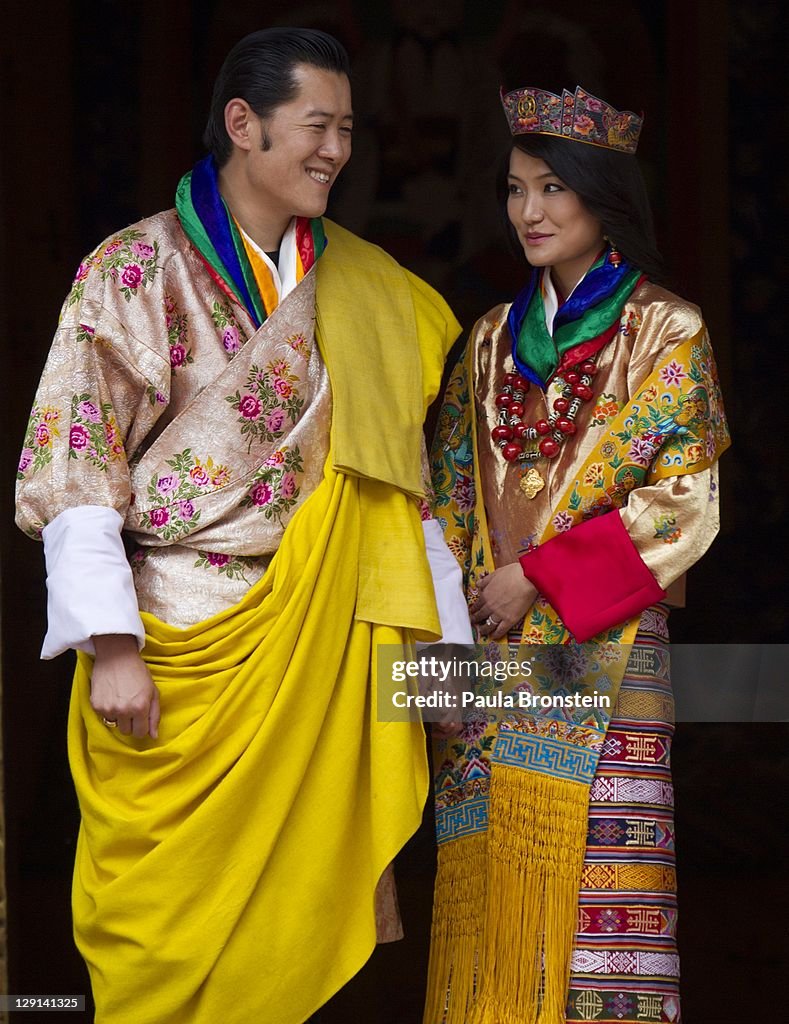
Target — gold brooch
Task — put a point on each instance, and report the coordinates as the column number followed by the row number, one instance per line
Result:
column 531, row 483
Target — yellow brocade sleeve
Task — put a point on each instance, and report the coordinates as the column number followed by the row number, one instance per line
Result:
column 673, row 522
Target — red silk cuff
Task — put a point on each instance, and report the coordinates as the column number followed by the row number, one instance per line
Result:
column 593, row 576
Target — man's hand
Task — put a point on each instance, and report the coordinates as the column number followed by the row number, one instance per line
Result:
column 504, row 598
column 121, row 688
column 450, row 722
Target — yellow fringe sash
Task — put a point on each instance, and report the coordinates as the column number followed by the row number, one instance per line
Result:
column 514, row 957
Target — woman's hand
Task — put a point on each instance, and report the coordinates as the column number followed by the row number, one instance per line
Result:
column 447, row 727
column 121, row 688
column 504, row 598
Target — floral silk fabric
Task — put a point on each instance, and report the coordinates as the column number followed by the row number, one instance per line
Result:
column 671, row 517
column 159, row 399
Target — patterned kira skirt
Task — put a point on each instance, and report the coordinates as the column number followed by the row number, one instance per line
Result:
column 625, row 966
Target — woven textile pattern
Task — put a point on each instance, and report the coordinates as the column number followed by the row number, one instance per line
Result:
column 625, row 966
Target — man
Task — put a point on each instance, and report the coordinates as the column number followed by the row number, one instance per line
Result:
column 236, row 390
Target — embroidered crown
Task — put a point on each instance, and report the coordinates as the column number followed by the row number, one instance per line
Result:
column 578, row 116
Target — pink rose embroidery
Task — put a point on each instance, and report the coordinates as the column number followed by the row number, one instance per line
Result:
column 249, row 407
column 584, row 125
column 199, row 477
column 112, row 247
column 78, row 437
column 25, row 459
column 298, row 343
column 167, row 484
column 132, row 275
column 464, row 494
column 142, row 250
column 177, row 355
column 261, row 493
column 159, row 516
column 288, row 485
column 275, row 459
column 474, row 728
column 186, row 510
column 230, row 339
column 43, row 435
column 82, row 272
column 283, row 389
column 88, row 411
column 217, row 559
column 275, row 420
column 642, row 450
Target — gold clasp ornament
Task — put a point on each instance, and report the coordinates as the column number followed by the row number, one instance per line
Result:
column 531, row 483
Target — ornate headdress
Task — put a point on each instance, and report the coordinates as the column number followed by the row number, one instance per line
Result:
column 578, row 116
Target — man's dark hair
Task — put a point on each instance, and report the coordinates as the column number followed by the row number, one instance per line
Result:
column 610, row 186
column 260, row 69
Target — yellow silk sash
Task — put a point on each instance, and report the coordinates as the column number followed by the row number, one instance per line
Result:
column 384, row 335
column 227, row 871
column 369, row 312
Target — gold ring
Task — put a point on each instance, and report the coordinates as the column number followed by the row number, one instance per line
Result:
column 111, row 723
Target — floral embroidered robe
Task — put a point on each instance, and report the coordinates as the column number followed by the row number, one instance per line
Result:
column 153, row 403
column 671, row 522
column 625, row 964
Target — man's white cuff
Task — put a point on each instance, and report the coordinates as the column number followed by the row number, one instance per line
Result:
column 448, row 586
column 90, row 590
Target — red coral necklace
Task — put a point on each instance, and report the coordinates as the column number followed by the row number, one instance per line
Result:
column 516, row 439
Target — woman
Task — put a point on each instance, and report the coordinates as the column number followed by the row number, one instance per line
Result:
column 575, row 473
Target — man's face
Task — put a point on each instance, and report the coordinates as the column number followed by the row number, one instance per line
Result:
column 309, row 144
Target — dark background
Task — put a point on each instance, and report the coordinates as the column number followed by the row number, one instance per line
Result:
column 102, row 105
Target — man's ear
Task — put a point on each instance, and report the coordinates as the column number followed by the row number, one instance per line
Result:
column 241, row 124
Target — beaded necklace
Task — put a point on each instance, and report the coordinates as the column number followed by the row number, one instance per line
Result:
column 512, row 432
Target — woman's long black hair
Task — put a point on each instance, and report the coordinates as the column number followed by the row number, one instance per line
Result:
column 611, row 187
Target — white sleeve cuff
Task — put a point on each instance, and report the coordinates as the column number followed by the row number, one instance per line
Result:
column 448, row 585
column 90, row 591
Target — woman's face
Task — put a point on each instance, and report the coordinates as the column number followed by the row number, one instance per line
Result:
column 553, row 225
